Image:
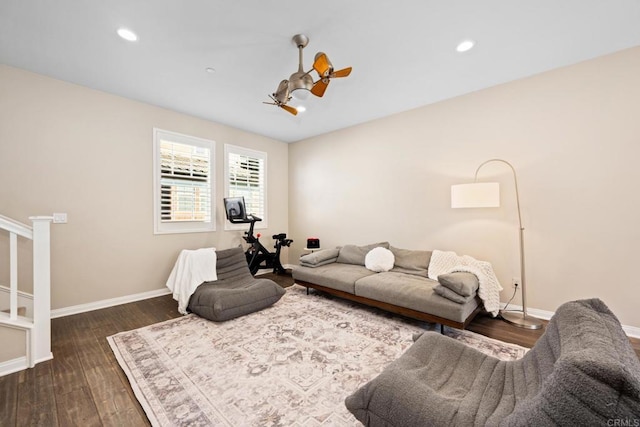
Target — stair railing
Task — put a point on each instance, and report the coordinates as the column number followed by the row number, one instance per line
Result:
column 38, row 331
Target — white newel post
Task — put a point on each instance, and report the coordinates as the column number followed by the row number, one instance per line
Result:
column 41, row 334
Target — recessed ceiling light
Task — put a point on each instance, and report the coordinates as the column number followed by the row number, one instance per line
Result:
column 301, row 108
column 465, row 45
column 127, row 34
column 210, row 70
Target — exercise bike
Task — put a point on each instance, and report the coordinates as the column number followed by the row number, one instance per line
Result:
column 257, row 255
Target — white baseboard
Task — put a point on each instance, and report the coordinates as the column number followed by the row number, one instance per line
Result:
column 13, row 365
column 631, row 331
column 540, row 314
column 19, row 364
column 82, row 308
column 44, row 359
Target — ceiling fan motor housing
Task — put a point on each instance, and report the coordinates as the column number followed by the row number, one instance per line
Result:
column 300, row 80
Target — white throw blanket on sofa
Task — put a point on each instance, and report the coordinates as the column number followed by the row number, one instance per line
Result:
column 444, row 262
column 192, row 268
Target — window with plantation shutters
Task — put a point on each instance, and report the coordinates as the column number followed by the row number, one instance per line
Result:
column 183, row 183
column 246, row 176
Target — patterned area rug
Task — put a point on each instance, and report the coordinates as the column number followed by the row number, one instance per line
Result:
column 291, row 364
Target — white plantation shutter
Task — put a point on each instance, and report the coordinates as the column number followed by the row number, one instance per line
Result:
column 184, row 184
column 184, row 181
column 246, row 176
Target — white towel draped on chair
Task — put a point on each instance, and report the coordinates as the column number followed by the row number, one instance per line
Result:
column 192, row 268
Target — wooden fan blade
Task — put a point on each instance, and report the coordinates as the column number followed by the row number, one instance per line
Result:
column 319, row 87
column 321, row 64
column 341, row 73
column 289, row 109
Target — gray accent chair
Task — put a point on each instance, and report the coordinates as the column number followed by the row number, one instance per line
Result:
column 236, row 292
column 581, row 372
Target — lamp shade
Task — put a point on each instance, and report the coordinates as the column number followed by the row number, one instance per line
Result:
column 476, row 195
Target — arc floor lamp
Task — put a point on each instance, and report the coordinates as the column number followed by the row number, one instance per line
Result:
column 487, row 195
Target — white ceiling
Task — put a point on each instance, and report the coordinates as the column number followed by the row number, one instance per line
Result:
column 402, row 52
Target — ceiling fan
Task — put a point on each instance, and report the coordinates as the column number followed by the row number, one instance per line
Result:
column 301, row 83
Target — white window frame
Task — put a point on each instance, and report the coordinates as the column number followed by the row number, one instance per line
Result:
column 234, row 149
column 160, row 227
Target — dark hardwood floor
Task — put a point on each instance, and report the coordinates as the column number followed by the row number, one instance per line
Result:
column 84, row 386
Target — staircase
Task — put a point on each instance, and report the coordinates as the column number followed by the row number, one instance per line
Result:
column 30, row 312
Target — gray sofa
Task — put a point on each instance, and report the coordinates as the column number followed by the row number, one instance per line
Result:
column 405, row 289
column 581, row 372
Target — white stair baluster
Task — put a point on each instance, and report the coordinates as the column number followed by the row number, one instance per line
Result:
column 13, row 276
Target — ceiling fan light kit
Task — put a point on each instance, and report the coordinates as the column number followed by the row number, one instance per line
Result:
column 301, row 83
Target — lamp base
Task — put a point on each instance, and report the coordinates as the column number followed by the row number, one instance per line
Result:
column 520, row 320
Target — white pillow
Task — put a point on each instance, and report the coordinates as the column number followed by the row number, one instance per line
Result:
column 379, row 260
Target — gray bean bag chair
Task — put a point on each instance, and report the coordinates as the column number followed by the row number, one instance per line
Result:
column 236, row 292
column 581, row 372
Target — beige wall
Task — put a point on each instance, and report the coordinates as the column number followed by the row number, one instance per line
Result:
column 13, row 344
column 66, row 148
column 573, row 135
